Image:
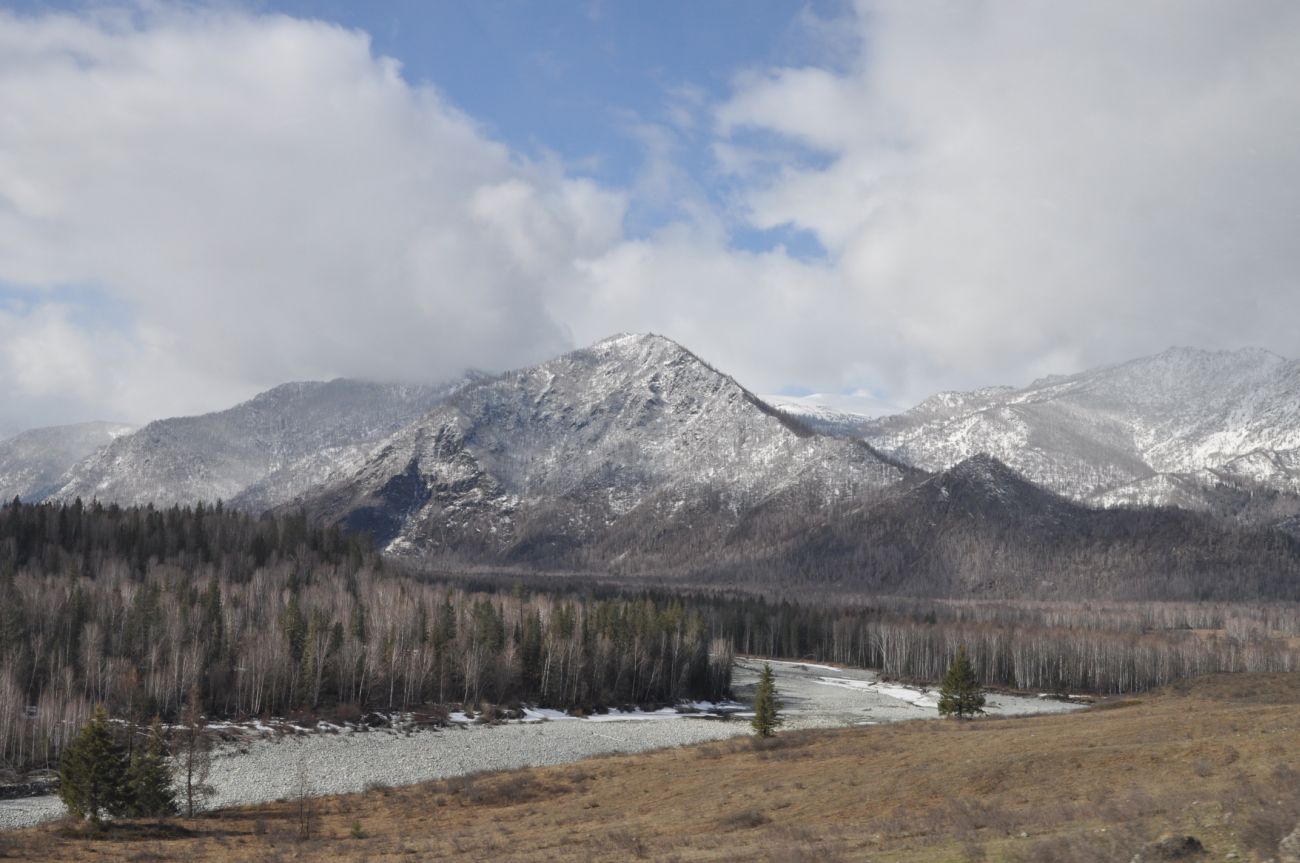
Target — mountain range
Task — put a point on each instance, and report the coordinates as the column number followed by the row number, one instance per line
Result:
column 1175, row 475
column 1178, row 428
column 257, row 454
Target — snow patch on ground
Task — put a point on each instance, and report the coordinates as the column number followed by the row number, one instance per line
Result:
column 823, row 696
column 917, row 697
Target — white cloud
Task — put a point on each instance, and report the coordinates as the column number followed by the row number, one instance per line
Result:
column 813, row 106
column 269, row 201
column 1003, row 190
column 46, row 354
column 1020, row 188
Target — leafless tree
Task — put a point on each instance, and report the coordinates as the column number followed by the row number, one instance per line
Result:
column 195, row 753
column 304, row 797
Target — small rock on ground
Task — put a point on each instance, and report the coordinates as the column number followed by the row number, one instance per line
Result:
column 1170, row 847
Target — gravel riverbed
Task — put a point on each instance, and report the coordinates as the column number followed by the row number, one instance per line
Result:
column 261, row 770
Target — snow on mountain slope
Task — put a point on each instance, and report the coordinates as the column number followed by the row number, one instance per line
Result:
column 1273, row 469
column 32, row 464
column 319, row 468
column 831, row 413
column 1115, row 429
column 635, row 430
column 1163, row 489
column 269, row 447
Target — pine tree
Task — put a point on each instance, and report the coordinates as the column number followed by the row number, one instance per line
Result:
column 212, row 627
column 92, row 772
column 961, row 695
column 766, row 704
column 149, row 778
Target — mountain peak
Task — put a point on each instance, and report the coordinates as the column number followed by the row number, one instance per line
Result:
column 982, row 467
column 625, row 339
column 984, row 476
column 586, row 450
column 638, row 346
column 983, row 486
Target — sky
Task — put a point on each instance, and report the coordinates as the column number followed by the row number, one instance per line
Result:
column 879, row 200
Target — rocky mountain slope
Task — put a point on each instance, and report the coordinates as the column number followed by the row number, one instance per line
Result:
column 631, row 450
column 256, row 454
column 33, row 463
column 1172, row 429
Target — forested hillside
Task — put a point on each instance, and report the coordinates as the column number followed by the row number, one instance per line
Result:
column 131, row 607
column 980, row 530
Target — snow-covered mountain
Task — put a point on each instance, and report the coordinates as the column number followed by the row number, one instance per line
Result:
column 33, row 463
column 1164, row 430
column 818, row 416
column 633, row 447
column 257, row 453
column 831, row 413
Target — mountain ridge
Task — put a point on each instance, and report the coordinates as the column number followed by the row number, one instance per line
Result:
column 1105, row 435
column 224, row 454
column 34, row 463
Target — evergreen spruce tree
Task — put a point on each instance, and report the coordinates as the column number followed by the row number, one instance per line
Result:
column 149, row 778
column 961, row 695
column 766, row 704
column 92, row 772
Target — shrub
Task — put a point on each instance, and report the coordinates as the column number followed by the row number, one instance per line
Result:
column 745, row 819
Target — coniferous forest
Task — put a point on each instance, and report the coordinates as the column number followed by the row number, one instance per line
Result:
column 132, row 607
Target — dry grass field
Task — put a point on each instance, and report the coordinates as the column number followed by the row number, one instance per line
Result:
column 1217, row 758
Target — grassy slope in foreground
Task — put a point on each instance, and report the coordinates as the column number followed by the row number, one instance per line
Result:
column 1217, row 757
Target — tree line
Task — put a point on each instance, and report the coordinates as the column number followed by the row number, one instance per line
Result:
column 1105, row 648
